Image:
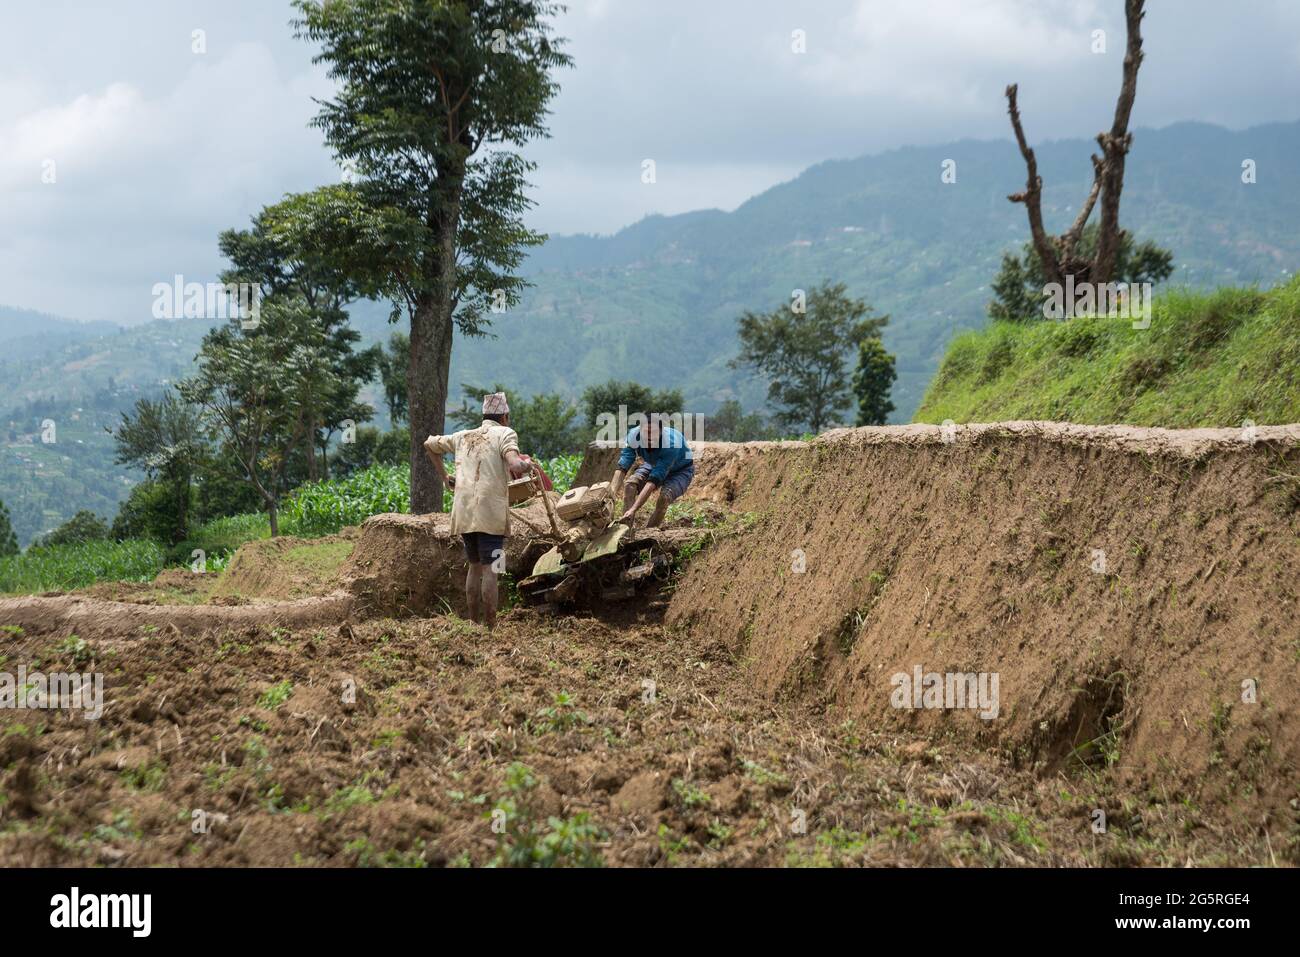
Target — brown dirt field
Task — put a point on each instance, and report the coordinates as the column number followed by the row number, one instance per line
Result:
column 368, row 726
column 242, row 747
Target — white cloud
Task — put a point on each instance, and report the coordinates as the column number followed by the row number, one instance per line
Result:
column 158, row 150
column 144, row 184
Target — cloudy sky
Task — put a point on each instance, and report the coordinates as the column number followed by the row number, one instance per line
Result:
column 153, row 148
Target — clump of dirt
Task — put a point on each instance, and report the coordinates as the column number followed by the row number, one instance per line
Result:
column 554, row 741
column 285, row 567
column 413, row 565
column 1134, row 590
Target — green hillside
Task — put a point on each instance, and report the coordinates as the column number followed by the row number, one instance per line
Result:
column 658, row 301
column 1208, row 359
column 923, row 251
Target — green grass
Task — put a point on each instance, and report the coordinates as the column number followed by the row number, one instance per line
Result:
column 323, row 508
column 222, row 536
column 63, row 567
column 322, row 558
column 1208, row 359
column 313, row 510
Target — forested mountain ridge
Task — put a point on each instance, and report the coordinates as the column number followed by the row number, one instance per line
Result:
column 658, row 301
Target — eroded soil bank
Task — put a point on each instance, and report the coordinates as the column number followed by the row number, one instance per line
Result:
column 1134, row 590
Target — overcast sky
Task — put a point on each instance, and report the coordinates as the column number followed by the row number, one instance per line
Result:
column 156, row 148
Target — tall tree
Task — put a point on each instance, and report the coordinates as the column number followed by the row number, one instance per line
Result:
column 1018, row 286
column 730, row 423
column 165, row 439
column 802, row 351
column 393, row 361
column 259, row 388
column 83, row 527
column 431, row 96
column 872, row 381
column 1060, row 255
column 544, row 423
column 284, row 265
column 606, row 397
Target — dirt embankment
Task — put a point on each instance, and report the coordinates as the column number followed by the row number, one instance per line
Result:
column 280, row 582
column 1134, row 591
column 285, row 568
column 413, row 565
column 94, row 618
column 711, row 458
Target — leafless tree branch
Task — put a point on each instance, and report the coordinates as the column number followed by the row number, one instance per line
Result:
column 1058, row 253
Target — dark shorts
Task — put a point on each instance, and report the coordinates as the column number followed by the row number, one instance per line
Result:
column 674, row 486
column 482, row 548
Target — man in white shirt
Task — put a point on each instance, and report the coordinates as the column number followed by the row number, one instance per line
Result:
column 486, row 459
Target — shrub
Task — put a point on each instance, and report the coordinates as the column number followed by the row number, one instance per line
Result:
column 8, row 538
column 85, row 526
column 148, row 512
column 999, row 356
column 523, row 841
column 221, row 536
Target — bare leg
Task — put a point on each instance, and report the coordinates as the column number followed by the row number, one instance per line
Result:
column 473, row 590
column 629, row 494
column 661, row 509
column 489, row 597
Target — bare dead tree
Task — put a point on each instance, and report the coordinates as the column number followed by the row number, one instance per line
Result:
column 1059, row 254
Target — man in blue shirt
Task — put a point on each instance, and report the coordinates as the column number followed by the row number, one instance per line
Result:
column 666, row 464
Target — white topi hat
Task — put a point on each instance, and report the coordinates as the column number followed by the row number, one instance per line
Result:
column 494, row 403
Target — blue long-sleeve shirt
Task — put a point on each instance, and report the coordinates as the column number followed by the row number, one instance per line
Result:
column 671, row 455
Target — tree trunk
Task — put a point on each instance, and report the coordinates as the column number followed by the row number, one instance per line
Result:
column 313, row 470
column 274, row 515
column 426, row 400
column 180, row 488
column 1115, row 146
column 430, row 367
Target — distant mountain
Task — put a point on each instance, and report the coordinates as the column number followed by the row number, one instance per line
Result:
column 658, row 301
column 82, row 383
column 27, row 334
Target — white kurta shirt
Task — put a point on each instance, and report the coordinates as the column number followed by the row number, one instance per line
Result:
column 481, row 501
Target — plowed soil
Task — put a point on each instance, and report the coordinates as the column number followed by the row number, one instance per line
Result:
column 244, row 747
column 751, row 724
